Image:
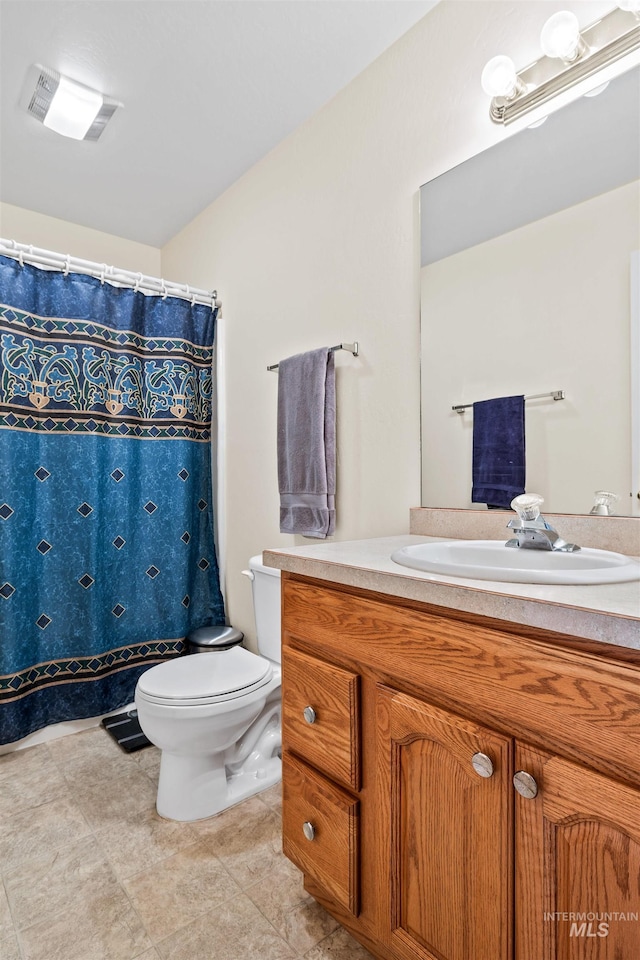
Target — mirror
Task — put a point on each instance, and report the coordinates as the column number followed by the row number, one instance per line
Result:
column 529, row 285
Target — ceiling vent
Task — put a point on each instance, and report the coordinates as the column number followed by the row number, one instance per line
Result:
column 66, row 106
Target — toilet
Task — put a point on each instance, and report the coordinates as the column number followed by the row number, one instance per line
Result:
column 216, row 716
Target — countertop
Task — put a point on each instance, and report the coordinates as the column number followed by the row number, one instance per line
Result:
column 609, row 613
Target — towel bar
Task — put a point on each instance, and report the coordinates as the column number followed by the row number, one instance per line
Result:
column 351, row 347
column 556, row 394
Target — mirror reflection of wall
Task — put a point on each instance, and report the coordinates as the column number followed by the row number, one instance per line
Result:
column 526, row 289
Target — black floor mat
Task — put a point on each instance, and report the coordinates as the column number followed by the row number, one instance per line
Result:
column 125, row 730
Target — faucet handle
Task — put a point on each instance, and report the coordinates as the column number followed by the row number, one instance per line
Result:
column 527, row 506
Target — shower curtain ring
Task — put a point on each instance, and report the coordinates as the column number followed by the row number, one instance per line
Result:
column 67, row 265
column 102, row 273
column 138, row 282
column 163, row 290
column 21, row 258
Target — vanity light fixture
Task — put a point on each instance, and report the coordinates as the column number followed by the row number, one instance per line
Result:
column 573, row 58
column 66, row 106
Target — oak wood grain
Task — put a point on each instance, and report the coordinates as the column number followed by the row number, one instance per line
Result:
column 577, row 864
column 567, row 701
column 332, row 741
column 331, row 857
column 598, row 648
column 423, row 688
column 451, row 833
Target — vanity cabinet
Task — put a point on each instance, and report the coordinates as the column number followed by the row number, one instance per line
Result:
column 404, row 727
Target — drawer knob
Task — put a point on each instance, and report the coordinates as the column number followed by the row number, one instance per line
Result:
column 309, row 830
column 525, row 784
column 482, row 764
column 309, row 714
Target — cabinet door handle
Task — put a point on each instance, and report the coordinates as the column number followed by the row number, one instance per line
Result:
column 309, row 714
column 309, row 830
column 525, row 784
column 482, row 764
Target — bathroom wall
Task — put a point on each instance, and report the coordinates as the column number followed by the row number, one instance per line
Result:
column 50, row 233
column 319, row 243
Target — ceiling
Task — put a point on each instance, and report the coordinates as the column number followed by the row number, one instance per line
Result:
column 208, row 86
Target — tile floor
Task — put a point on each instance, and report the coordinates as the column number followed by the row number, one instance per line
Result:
column 88, row 871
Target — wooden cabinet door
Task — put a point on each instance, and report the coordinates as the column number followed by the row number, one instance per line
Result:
column 449, row 859
column 577, row 864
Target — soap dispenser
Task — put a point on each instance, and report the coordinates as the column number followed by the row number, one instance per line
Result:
column 603, row 503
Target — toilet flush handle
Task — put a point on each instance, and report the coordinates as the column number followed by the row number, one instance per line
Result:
column 249, row 573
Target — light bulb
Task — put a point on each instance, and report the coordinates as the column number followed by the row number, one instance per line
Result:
column 73, row 109
column 499, row 77
column 560, row 36
column 630, row 6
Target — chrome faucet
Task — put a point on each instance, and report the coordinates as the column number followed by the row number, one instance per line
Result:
column 532, row 531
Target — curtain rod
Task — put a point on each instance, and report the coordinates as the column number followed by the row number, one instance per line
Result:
column 351, row 347
column 555, row 394
column 27, row 253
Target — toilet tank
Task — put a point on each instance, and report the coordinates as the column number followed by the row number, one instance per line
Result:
column 265, row 586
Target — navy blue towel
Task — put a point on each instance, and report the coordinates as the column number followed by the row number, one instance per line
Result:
column 498, row 451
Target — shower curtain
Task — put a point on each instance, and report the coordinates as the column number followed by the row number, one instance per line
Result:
column 107, row 556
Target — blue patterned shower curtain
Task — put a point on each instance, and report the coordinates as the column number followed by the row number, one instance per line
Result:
column 107, row 555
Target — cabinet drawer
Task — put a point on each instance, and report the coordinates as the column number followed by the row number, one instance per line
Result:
column 327, row 735
column 331, row 818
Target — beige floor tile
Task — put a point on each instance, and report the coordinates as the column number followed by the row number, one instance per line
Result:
column 142, row 840
column 28, row 778
column 44, row 828
column 234, row 931
column 92, row 873
column 273, row 797
column 100, row 928
column 109, row 803
column 9, row 949
column 176, row 891
column 339, row 946
column 281, row 898
column 148, row 760
column 89, row 757
column 6, row 923
column 246, row 838
column 59, row 880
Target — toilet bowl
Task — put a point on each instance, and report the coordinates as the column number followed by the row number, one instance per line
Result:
column 216, row 716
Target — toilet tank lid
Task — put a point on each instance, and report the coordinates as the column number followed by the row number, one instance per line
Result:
column 255, row 563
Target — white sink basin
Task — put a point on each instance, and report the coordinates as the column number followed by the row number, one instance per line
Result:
column 492, row 560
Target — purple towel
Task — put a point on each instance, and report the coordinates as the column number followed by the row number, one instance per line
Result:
column 498, row 451
column 307, row 443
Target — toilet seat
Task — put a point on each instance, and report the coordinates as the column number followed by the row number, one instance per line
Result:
column 205, row 678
